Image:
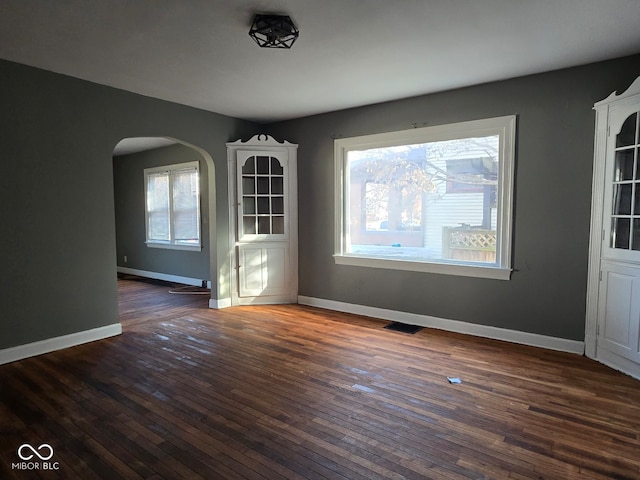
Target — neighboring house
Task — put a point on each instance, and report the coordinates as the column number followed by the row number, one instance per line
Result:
column 434, row 200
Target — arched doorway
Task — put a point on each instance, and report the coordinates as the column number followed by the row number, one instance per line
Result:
column 184, row 262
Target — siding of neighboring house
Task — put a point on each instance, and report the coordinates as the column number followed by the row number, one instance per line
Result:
column 450, row 210
column 444, row 208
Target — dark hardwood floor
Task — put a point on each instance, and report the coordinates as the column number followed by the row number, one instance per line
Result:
column 282, row 392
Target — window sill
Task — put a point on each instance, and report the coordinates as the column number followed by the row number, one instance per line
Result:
column 172, row 246
column 479, row 271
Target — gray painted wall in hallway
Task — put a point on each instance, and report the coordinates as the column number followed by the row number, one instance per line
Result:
column 546, row 294
column 57, row 136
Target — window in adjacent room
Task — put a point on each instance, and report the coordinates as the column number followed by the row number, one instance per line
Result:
column 173, row 206
column 435, row 199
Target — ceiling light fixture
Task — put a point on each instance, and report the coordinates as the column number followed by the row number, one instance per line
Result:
column 273, row 31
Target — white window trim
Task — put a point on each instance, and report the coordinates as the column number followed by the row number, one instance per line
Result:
column 505, row 127
column 173, row 246
column 168, row 244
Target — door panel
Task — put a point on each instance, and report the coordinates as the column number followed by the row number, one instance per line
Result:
column 250, row 260
column 619, row 317
column 263, row 269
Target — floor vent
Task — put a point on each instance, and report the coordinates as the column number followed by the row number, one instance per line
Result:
column 403, row 327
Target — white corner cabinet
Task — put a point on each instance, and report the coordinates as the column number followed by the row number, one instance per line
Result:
column 263, row 219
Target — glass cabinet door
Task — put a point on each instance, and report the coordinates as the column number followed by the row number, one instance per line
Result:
column 261, row 196
column 625, row 188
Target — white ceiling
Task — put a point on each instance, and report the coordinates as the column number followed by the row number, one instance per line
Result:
column 349, row 53
column 140, row 144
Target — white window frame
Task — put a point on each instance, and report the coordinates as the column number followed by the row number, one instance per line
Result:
column 171, row 244
column 504, row 127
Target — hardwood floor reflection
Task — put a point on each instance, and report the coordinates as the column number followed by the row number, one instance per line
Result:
column 283, row 392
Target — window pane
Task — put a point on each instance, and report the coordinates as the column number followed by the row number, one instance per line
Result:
column 158, row 192
column 249, row 205
column 263, row 205
column 429, row 201
column 635, row 242
column 623, row 169
column 248, row 185
column 263, row 185
column 627, row 135
column 277, row 205
column 158, row 207
column 249, row 166
column 249, row 225
column 263, row 165
column 186, row 215
column 278, row 225
column 620, row 233
column 277, row 185
column 185, row 224
column 622, row 199
column 158, row 228
column 185, row 190
column 264, row 225
column 276, row 168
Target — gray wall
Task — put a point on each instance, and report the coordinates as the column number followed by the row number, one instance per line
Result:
column 546, row 294
column 58, row 250
column 129, row 191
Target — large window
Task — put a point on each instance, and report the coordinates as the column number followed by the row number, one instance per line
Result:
column 173, row 206
column 435, row 199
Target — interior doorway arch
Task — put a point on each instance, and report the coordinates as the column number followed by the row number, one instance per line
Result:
column 137, row 145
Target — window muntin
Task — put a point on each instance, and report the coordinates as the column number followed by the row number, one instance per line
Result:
column 173, row 206
column 431, row 199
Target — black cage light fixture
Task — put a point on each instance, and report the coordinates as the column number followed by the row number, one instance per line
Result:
column 273, row 31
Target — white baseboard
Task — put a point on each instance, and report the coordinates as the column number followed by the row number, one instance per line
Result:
column 496, row 333
column 163, row 276
column 619, row 363
column 58, row 343
column 220, row 303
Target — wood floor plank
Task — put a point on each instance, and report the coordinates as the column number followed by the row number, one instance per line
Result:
column 295, row 392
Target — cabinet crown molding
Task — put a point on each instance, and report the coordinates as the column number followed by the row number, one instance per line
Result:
column 634, row 89
column 262, row 139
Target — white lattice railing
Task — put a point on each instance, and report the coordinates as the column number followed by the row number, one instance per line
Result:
column 466, row 243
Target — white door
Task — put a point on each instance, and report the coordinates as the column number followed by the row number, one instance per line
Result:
column 618, row 328
column 262, row 184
